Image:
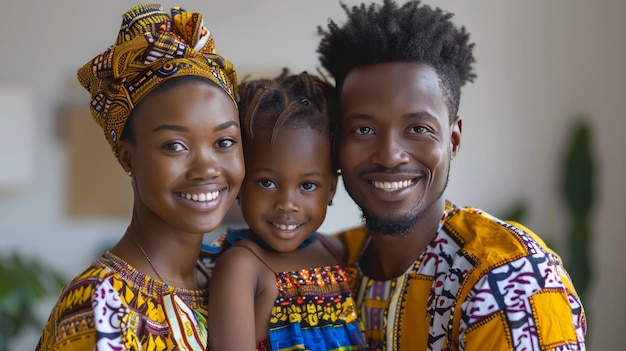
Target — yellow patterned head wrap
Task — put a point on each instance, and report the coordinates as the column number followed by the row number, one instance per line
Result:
column 151, row 47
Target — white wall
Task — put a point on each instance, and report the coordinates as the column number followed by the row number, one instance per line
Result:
column 540, row 63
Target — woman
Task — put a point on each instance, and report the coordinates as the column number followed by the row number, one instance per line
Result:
column 166, row 103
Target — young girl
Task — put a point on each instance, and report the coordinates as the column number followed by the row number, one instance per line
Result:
column 166, row 104
column 279, row 285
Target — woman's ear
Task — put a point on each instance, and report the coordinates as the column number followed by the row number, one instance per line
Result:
column 125, row 157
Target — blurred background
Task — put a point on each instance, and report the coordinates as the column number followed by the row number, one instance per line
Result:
column 546, row 69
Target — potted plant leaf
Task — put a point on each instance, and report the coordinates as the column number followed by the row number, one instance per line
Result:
column 24, row 282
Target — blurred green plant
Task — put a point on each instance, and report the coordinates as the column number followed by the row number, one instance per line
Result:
column 23, row 283
column 579, row 194
column 516, row 212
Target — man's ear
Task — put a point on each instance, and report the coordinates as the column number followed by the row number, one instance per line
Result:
column 455, row 136
column 125, row 156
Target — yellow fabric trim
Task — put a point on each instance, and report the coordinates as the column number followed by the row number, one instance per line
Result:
column 550, row 308
column 415, row 316
column 78, row 342
column 486, row 334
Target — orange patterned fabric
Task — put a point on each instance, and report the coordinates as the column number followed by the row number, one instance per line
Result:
column 112, row 306
column 481, row 284
column 151, row 48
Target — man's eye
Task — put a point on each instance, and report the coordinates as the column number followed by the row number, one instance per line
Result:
column 363, row 130
column 267, row 184
column 419, row 130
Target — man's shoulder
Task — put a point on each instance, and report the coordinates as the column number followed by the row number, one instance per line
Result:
column 354, row 233
column 353, row 240
column 483, row 235
column 477, row 230
column 509, row 262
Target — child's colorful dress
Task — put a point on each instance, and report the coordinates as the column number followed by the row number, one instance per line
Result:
column 314, row 309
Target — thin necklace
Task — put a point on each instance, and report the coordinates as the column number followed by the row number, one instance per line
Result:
column 195, row 276
column 146, row 256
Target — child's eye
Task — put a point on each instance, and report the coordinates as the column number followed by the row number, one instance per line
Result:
column 266, row 184
column 174, row 146
column 308, row 186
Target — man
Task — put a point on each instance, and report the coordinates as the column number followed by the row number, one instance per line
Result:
column 427, row 274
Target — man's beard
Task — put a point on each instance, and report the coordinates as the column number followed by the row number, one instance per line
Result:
column 400, row 225
column 392, row 226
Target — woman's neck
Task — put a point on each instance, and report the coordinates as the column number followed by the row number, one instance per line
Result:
column 167, row 256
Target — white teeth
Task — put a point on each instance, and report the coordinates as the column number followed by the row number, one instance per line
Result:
column 200, row 197
column 285, row 227
column 392, row 186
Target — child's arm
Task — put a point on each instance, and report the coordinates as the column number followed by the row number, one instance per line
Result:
column 231, row 302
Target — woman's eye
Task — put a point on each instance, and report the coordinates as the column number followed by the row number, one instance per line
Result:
column 267, row 184
column 225, row 143
column 174, row 146
column 363, row 130
column 308, row 186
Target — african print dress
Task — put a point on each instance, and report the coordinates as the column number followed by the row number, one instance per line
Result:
column 314, row 309
column 112, row 306
column 481, row 284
